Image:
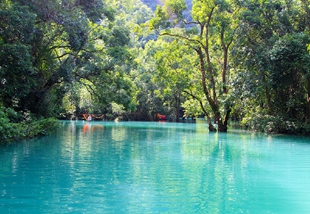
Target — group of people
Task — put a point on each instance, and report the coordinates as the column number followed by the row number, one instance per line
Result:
column 90, row 117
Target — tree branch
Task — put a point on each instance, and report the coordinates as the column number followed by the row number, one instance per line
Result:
column 200, row 103
column 182, row 37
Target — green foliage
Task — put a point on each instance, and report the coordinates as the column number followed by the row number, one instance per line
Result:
column 16, row 62
column 274, row 66
column 26, row 127
column 175, row 7
column 49, row 47
column 289, row 62
column 191, row 108
column 37, row 127
column 271, row 124
column 216, row 23
column 288, row 57
column 160, row 20
column 201, row 9
column 168, row 15
column 248, row 58
column 16, row 72
column 95, row 9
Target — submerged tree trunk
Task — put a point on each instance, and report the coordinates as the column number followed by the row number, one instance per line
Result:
column 212, row 128
column 222, row 125
column 214, row 85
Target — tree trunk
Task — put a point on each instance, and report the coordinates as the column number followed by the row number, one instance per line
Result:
column 211, row 127
column 308, row 100
column 220, row 124
column 177, row 109
column 222, row 127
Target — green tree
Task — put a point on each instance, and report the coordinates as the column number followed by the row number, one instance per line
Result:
column 114, row 62
column 211, row 37
column 273, row 63
column 16, row 70
column 57, row 44
column 173, row 61
column 289, row 63
column 149, row 103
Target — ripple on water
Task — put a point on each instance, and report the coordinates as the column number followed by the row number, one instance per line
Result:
column 155, row 168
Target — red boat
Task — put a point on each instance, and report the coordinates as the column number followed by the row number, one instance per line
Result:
column 161, row 117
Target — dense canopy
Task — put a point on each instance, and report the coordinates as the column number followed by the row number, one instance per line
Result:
column 226, row 60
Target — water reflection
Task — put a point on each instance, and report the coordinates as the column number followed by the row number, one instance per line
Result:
column 91, row 127
column 118, row 133
column 153, row 168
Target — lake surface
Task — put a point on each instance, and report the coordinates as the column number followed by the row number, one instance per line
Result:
column 148, row 167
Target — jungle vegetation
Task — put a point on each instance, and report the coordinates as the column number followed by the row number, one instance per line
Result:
column 226, row 60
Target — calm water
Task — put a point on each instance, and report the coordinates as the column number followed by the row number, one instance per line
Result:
column 133, row 167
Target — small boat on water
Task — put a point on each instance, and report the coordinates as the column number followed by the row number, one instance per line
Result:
column 161, row 117
column 90, row 117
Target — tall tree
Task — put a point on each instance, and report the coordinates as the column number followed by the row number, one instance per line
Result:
column 211, row 37
column 17, row 72
column 173, row 61
column 57, row 44
column 273, row 62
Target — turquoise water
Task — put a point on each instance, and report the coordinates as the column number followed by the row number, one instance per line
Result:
column 145, row 167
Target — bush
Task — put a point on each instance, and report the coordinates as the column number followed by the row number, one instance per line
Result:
column 38, row 127
column 29, row 127
column 276, row 124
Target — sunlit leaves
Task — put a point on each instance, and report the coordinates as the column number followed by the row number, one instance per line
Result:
column 201, row 10
column 175, row 8
column 160, row 19
column 64, row 43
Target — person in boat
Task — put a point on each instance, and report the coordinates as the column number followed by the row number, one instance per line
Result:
column 161, row 117
column 89, row 118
